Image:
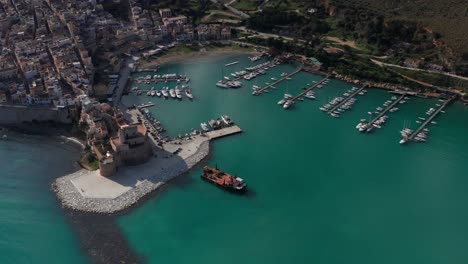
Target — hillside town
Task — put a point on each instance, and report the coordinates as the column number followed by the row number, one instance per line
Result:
column 55, row 50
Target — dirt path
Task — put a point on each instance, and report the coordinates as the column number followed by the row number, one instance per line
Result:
column 183, row 56
column 348, row 43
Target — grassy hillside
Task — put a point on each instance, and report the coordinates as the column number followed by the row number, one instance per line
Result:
column 448, row 17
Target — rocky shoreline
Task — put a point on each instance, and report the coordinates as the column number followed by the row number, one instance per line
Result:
column 71, row 198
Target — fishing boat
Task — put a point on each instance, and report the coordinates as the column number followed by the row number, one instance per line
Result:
column 224, row 180
column 213, row 124
column 227, row 120
column 205, row 127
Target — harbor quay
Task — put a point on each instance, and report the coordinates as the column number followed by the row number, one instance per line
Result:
column 90, row 192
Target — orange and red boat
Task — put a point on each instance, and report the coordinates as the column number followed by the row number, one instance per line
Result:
column 224, row 180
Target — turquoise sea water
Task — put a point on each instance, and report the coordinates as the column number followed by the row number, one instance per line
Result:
column 321, row 192
column 33, row 228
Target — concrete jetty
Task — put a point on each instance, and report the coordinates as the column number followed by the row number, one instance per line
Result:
column 261, row 90
column 370, row 125
column 270, row 64
column 347, row 99
column 294, row 99
column 429, row 120
column 214, row 134
column 88, row 191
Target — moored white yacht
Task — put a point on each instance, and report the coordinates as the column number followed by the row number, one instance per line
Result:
column 178, row 93
column 287, row 104
column 188, row 93
column 282, row 101
column 165, row 93
column 172, row 93
column 222, row 84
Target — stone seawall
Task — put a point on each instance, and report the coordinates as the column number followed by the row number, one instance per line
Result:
column 88, row 191
column 151, row 176
column 13, row 114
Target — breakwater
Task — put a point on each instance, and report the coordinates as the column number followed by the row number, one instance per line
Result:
column 89, row 192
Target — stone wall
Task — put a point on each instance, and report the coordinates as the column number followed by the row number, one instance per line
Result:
column 134, row 156
column 10, row 115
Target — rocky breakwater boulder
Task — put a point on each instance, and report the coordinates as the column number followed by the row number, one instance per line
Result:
column 70, row 197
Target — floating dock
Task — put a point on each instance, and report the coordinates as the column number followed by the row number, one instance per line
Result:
column 371, row 123
column 347, row 99
column 230, row 64
column 261, row 90
column 429, row 120
column 147, row 70
column 294, row 99
column 270, row 64
column 145, row 105
column 161, row 79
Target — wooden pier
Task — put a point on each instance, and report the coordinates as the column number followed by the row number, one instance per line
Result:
column 392, row 105
column 261, row 90
column 429, row 120
column 294, row 99
column 347, row 99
